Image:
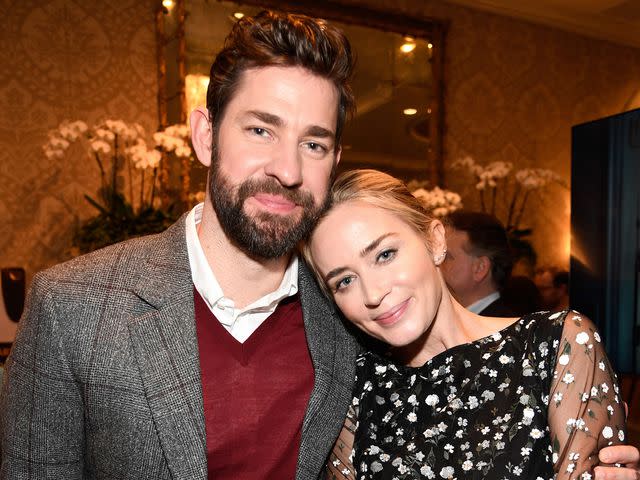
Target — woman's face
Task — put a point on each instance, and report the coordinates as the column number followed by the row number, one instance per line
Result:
column 379, row 271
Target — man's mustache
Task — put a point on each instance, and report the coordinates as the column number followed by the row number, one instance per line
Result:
column 271, row 186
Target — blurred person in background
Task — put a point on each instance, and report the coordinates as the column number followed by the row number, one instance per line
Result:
column 553, row 285
column 478, row 262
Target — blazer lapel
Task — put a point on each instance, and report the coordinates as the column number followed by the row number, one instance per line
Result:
column 333, row 352
column 166, row 349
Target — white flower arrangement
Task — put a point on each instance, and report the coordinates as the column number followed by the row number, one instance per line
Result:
column 440, row 202
column 516, row 188
column 116, row 147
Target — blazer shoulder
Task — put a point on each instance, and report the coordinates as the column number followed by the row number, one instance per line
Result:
column 120, row 261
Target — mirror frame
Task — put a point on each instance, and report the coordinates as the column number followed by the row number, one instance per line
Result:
column 435, row 30
column 429, row 28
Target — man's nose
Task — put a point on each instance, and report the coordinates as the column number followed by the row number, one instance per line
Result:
column 285, row 165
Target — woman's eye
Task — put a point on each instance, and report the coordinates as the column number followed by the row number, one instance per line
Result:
column 386, row 255
column 342, row 284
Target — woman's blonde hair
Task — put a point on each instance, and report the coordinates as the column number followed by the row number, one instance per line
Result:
column 377, row 189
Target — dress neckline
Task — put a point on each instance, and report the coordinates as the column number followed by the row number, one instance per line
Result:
column 440, row 358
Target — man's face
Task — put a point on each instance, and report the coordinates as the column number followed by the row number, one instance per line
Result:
column 273, row 158
column 457, row 268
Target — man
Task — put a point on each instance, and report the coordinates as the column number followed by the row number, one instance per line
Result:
column 553, row 285
column 478, row 262
column 206, row 350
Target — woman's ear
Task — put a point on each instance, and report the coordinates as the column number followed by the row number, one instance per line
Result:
column 201, row 135
column 437, row 241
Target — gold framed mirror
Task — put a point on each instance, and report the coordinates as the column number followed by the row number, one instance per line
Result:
column 398, row 82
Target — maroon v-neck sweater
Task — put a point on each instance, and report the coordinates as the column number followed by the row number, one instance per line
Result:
column 255, row 393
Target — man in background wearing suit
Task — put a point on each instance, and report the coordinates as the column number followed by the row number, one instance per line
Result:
column 478, row 262
column 206, row 351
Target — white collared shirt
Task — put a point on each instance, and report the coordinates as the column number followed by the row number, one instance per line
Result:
column 480, row 305
column 240, row 323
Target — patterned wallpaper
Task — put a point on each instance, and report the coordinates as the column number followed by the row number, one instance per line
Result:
column 64, row 59
column 514, row 90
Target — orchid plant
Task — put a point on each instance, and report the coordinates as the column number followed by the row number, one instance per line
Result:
column 495, row 183
column 438, row 201
column 128, row 205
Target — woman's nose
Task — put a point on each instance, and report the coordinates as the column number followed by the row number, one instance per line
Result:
column 374, row 290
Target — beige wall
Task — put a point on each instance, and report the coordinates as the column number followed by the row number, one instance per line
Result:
column 514, row 90
column 64, row 59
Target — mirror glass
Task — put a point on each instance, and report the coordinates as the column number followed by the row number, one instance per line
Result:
column 396, row 126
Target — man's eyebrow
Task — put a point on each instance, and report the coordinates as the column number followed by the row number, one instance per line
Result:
column 268, row 118
column 276, row 121
column 320, row 132
column 365, row 251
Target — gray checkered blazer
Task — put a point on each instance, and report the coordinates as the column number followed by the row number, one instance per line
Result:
column 104, row 381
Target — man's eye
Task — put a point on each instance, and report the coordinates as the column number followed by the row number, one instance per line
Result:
column 316, row 147
column 259, row 131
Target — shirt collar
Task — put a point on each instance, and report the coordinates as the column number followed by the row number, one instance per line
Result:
column 206, row 283
column 479, row 305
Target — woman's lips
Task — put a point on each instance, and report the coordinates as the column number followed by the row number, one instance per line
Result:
column 390, row 317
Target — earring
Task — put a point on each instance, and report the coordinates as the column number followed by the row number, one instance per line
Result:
column 438, row 259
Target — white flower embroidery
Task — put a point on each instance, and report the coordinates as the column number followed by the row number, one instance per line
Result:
column 535, row 433
column 447, row 472
column 427, row 472
column 582, row 338
column 432, row 400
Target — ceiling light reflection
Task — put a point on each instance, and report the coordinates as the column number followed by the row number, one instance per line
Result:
column 409, row 45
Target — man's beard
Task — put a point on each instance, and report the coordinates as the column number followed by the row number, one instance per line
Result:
column 263, row 235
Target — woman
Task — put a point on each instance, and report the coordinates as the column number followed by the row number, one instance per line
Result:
column 452, row 394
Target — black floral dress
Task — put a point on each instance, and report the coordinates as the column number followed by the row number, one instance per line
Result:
column 536, row 400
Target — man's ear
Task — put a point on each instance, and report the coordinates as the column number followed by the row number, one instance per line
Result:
column 201, row 135
column 338, row 155
column 481, row 268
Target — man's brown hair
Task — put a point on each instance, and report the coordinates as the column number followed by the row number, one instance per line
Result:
column 280, row 39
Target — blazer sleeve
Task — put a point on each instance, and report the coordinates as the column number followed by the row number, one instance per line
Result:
column 41, row 408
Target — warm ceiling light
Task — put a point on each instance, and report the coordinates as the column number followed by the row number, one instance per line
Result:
column 409, row 45
column 410, row 111
column 429, row 45
column 238, row 15
column 168, row 4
